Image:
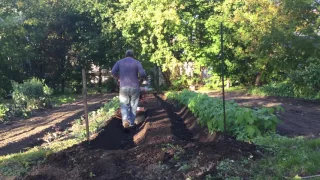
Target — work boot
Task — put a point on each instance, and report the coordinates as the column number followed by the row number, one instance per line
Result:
column 126, row 124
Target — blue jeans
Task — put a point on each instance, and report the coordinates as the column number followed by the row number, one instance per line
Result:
column 129, row 99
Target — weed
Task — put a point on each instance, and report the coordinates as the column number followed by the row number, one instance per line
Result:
column 92, row 174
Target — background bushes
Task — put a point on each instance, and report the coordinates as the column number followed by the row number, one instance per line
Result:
column 32, row 93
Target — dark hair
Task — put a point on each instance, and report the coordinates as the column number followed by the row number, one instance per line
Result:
column 129, row 53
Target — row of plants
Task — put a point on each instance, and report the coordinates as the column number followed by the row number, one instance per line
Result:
column 20, row 163
column 241, row 122
column 282, row 158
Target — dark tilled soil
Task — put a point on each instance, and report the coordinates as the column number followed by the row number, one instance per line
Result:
column 169, row 145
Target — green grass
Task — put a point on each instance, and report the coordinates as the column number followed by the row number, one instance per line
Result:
column 292, row 156
column 58, row 100
column 19, row 164
column 284, row 158
column 231, row 89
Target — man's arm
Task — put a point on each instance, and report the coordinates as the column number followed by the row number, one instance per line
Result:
column 142, row 73
column 115, row 70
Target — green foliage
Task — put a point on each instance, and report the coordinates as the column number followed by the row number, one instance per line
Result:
column 5, row 86
column 2, row 93
column 96, row 119
column 52, row 40
column 32, row 93
column 213, row 82
column 306, row 80
column 58, row 100
column 244, row 123
column 180, row 83
column 301, row 83
column 285, row 89
column 3, row 112
column 111, row 85
column 9, row 111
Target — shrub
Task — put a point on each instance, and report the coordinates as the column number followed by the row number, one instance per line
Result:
column 5, row 86
column 32, row 93
column 180, row 83
column 3, row 112
column 213, row 82
column 286, row 89
column 2, row 93
column 111, row 84
column 303, row 82
column 306, row 80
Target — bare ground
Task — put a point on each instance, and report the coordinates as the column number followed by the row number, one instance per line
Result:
column 26, row 133
column 169, row 145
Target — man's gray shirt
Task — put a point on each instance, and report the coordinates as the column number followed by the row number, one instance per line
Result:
column 128, row 71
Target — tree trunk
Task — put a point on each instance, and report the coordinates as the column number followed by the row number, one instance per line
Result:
column 258, row 79
column 166, row 76
column 228, row 83
column 63, row 84
column 156, row 77
column 100, row 81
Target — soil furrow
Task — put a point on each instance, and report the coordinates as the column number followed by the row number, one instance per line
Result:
column 164, row 147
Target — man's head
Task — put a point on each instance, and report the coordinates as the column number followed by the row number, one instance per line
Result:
column 129, row 53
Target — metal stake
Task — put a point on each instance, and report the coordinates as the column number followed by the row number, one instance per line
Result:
column 222, row 72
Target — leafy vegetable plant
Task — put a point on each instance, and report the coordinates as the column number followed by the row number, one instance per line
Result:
column 242, row 122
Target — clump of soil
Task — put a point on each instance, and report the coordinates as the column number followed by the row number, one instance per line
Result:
column 168, row 145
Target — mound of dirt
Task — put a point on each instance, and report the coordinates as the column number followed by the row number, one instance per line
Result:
column 169, row 145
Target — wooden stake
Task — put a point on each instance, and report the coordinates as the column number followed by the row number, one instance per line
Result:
column 84, row 92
